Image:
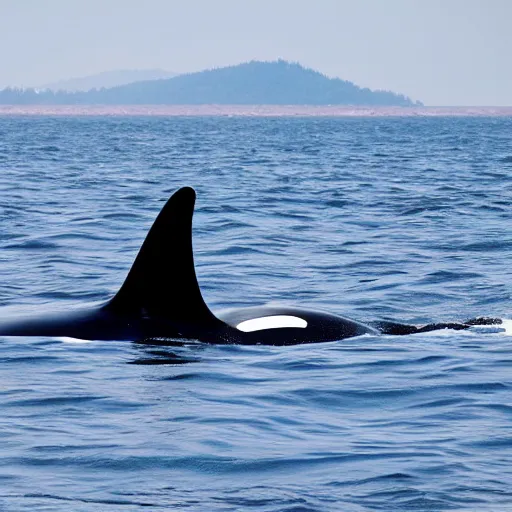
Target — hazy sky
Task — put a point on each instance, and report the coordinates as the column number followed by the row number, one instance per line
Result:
column 442, row 52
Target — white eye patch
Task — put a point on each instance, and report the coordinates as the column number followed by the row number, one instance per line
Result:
column 271, row 322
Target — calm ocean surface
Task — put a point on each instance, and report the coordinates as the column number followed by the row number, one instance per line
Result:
column 405, row 219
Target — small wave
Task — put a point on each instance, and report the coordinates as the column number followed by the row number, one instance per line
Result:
column 32, row 245
column 49, row 149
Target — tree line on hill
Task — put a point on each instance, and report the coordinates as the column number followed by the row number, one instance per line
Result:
column 251, row 83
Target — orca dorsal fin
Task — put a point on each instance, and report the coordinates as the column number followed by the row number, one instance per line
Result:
column 162, row 282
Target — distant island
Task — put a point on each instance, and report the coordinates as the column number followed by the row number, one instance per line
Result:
column 106, row 79
column 252, row 83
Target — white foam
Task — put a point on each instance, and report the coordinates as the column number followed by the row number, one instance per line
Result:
column 271, row 322
column 505, row 328
column 506, row 323
column 66, row 339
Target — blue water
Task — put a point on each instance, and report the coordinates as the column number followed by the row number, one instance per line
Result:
column 404, row 219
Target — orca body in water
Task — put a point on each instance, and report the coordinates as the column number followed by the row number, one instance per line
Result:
column 160, row 299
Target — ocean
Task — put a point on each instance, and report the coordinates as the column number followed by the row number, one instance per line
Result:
column 399, row 218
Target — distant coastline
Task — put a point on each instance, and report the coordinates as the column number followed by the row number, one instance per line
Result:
column 251, row 111
column 250, row 83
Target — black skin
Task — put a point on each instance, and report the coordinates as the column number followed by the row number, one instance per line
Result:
column 160, row 300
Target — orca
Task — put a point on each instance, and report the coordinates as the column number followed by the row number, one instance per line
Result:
column 161, row 300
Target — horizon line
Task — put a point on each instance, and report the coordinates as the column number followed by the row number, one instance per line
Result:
column 257, row 110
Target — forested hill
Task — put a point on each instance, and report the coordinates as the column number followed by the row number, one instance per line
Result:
column 252, row 83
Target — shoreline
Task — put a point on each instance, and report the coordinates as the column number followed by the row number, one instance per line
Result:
column 251, row 111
